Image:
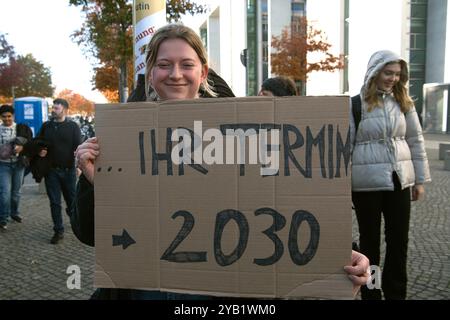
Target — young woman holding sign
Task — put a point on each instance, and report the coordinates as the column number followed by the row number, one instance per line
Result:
column 177, row 68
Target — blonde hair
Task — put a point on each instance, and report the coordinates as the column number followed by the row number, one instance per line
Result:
column 175, row 31
column 400, row 90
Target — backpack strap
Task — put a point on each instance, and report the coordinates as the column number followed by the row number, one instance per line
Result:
column 356, row 110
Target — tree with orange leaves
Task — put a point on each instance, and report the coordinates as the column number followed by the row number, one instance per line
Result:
column 106, row 79
column 78, row 104
column 292, row 47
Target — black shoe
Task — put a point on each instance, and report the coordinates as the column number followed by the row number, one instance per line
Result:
column 3, row 226
column 17, row 219
column 57, row 237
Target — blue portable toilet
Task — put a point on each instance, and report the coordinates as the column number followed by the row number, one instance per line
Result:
column 32, row 111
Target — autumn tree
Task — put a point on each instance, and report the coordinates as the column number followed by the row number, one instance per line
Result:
column 78, row 104
column 6, row 50
column 107, row 34
column 106, row 79
column 292, row 48
column 22, row 75
column 25, row 76
column 10, row 71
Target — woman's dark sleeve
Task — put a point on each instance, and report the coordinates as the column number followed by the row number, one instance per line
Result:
column 138, row 94
column 82, row 219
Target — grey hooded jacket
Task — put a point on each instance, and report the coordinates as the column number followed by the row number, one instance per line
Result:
column 387, row 139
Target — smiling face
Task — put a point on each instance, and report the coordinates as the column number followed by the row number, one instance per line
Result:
column 178, row 71
column 389, row 76
column 7, row 118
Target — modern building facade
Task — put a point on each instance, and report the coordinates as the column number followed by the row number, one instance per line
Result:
column 238, row 35
column 224, row 33
column 436, row 84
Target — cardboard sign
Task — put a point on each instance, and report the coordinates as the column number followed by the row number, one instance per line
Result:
column 224, row 224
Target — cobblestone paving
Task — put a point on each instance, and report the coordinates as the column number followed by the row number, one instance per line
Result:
column 429, row 238
column 32, row 268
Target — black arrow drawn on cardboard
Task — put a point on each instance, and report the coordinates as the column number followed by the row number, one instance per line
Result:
column 125, row 240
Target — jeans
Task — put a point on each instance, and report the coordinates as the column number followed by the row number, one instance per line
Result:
column 11, row 178
column 56, row 181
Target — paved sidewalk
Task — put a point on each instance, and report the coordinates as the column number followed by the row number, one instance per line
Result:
column 32, row 268
column 429, row 235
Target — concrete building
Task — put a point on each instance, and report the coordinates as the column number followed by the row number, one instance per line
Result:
column 238, row 33
column 435, row 31
column 224, row 35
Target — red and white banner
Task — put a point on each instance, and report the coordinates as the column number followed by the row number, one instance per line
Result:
column 148, row 16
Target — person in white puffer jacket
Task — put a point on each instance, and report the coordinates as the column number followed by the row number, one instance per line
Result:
column 389, row 168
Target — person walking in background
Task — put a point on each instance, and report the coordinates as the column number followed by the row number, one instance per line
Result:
column 63, row 137
column 13, row 138
column 278, row 87
column 388, row 162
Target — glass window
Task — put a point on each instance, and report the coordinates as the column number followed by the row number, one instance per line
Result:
column 298, row 7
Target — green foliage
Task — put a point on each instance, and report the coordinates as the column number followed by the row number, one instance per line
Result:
column 37, row 79
column 22, row 75
column 176, row 8
column 6, row 50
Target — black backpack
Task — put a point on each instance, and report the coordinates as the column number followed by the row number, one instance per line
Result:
column 356, row 110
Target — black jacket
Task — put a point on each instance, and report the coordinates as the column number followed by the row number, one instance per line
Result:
column 29, row 156
column 24, row 135
column 22, row 130
column 62, row 139
column 39, row 166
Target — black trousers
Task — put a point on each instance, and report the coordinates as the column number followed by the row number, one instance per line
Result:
column 395, row 207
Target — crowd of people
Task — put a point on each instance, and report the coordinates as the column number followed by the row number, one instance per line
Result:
column 86, row 124
column 389, row 162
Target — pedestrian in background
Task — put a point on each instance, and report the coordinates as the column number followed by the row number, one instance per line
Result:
column 388, row 162
column 63, row 137
column 278, row 87
column 13, row 138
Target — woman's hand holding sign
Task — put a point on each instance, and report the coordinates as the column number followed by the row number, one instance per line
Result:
column 358, row 272
column 85, row 156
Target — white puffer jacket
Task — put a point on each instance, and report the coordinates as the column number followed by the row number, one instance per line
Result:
column 387, row 140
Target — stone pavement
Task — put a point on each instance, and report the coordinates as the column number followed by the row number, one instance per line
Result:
column 32, row 268
column 429, row 235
